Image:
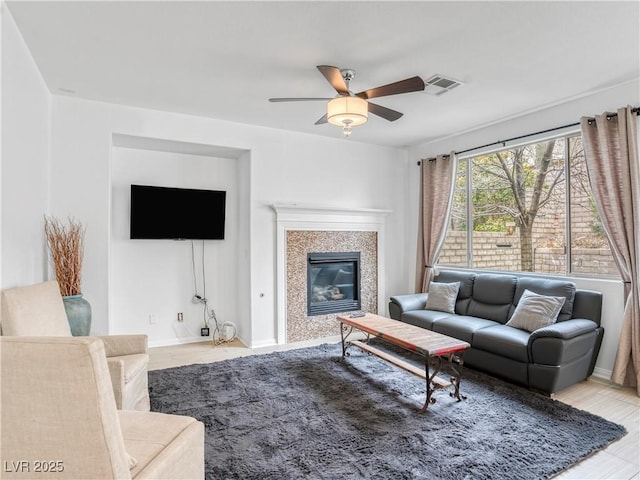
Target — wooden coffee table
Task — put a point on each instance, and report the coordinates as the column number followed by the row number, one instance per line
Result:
column 438, row 351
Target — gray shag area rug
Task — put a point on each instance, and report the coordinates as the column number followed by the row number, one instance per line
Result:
column 303, row 414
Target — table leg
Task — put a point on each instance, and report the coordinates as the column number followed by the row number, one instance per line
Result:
column 429, row 377
column 345, row 331
column 455, row 379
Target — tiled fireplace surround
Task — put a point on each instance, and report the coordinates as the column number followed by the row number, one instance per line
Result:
column 302, row 229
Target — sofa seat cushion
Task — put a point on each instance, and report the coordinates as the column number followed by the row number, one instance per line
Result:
column 423, row 318
column 504, row 341
column 165, row 446
column 461, row 327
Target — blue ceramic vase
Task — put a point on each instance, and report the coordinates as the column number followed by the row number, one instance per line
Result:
column 78, row 313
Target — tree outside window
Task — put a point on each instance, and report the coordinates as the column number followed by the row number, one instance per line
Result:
column 523, row 209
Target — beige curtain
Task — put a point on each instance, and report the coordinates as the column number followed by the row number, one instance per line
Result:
column 611, row 151
column 437, row 181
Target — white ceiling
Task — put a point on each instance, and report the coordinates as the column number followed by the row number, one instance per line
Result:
column 224, row 59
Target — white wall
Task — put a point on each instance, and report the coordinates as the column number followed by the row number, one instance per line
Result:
column 570, row 112
column 281, row 167
column 59, row 150
column 325, row 172
column 152, row 280
column 26, row 109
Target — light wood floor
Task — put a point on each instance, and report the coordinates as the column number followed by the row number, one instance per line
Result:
column 620, row 460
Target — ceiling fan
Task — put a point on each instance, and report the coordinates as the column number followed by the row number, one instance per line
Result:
column 348, row 109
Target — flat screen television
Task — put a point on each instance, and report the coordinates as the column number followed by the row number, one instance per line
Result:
column 177, row 213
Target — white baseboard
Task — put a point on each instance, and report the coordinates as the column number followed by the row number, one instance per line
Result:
column 176, row 341
column 169, row 342
column 602, row 374
column 263, row 343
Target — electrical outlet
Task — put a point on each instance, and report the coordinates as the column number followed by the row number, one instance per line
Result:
column 180, row 317
column 204, row 331
column 152, row 319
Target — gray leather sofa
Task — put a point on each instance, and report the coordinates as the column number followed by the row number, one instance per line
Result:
column 548, row 359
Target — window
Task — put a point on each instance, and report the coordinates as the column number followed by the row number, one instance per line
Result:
column 517, row 210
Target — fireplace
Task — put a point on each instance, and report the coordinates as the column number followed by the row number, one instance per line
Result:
column 302, row 229
column 333, row 282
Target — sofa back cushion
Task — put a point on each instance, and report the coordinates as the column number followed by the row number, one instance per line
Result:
column 466, row 287
column 492, row 296
column 549, row 287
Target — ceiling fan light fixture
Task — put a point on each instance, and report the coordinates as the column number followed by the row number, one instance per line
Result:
column 347, row 112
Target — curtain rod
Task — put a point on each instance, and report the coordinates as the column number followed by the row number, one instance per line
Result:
column 635, row 110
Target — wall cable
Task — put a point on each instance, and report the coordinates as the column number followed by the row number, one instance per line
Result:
column 222, row 332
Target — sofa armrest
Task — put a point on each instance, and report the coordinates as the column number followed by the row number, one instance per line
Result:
column 564, row 342
column 398, row 304
column 413, row 301
column 565, row 330
column 117, row 345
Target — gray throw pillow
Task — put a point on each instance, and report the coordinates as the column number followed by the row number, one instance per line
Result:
column 442, row 296
column 535, row 311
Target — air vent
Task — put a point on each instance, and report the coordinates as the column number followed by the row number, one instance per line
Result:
column 439, row 84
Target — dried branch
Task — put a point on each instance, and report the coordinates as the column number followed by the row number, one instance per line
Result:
column 66, row 244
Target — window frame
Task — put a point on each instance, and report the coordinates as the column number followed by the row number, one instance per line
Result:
column 566, row 135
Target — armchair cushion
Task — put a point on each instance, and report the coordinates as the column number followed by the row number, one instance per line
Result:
column 170, row 453
column 36, row 310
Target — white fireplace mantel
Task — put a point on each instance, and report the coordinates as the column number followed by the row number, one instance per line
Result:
column 298, row 211
column 293, row 216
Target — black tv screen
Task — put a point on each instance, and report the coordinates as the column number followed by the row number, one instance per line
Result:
column 177, row 213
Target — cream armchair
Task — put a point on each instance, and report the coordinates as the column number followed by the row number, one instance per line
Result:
column 38, row 310
column 59, row 420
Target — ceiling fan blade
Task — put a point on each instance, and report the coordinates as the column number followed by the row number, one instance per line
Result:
column 322, row 120
column 300, row 99
column 413, row 84
column 334, row 77
column 384, row 112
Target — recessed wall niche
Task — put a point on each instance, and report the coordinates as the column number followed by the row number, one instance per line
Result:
column 150, row 281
